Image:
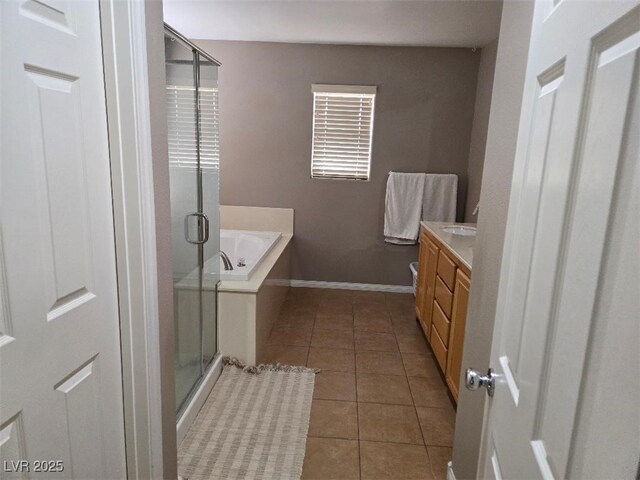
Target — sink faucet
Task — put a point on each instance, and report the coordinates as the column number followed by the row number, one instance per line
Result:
column 225, row 260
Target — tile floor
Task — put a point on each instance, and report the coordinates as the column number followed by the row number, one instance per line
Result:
column 380, row 409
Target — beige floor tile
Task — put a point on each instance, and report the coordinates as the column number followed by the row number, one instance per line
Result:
column 295, row 320
column 335, row 386
column 381, row 342
column 327, row 294
column 437, row 426
column 405, row 325
column 369, row 297
column 332, row 339
column 362, row 308
column 298, row 336
column 429, row 392
column 334, row 308
column 402, row 313
column 400, row 299
column 412, row 343
column 373, row 322
column 335, row 295
column 392, row 389
column 288, row 306
column 334, row 322
column 409, row 328
column 384, row 363
column 388, row 423
column 333, row 359
column 402, row 309
column 298, row 292
column 393, row 461
column 439, row 457
column 299, row 307
column 304, row 299
column 331, row 459
column 333, row 419
column 285, row 355
column 421, row 365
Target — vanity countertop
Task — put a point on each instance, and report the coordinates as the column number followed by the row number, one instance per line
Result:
column 460, row 246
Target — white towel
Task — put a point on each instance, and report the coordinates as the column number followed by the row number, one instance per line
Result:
column 440, row 197
column 403, row 206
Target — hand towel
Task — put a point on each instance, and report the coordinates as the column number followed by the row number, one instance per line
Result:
column 403, row 204
column 440, row 197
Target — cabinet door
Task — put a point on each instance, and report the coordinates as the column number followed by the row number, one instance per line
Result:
column 456, row 332
column 422, row 276
column 429, row 264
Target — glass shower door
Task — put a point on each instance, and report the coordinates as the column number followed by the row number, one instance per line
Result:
column 183, row 171
column 210, row 181
column 193, row 167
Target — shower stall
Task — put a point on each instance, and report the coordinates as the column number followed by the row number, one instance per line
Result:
column 194, row 161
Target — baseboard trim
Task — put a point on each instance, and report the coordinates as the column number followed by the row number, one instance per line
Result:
column 369, row 287
column 450, row 475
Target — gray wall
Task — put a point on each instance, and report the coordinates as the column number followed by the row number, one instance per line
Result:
column 423, row 117
column 508, row 85
column 480, row 127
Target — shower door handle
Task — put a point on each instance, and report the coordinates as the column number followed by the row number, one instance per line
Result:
column 203, row 228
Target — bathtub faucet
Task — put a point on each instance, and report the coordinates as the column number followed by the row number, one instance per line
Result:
column 225, row 260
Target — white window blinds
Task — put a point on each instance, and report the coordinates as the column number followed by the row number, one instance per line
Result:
column 182, row 127
column 342, row 131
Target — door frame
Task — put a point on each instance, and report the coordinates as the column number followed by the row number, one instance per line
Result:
column 129, row 37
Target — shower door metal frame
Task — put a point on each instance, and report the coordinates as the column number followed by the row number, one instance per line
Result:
column 191, row 45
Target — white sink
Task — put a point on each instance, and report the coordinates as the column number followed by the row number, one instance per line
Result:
column 460, row 230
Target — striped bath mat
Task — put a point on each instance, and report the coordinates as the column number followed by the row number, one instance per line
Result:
column 253, row 425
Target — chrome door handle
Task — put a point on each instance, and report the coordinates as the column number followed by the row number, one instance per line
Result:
column 203, row 228
column 474, row 380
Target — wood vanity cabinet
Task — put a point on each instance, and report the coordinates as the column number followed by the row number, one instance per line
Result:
column 442, row 296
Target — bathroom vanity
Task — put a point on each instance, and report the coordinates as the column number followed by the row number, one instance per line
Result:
column 442, row 292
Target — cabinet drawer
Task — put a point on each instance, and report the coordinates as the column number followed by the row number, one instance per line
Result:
column 439, row 350
column 441, row 323
column 443, row 296
column 447, row 270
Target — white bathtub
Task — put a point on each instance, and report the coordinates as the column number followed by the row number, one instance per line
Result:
column 252, row 246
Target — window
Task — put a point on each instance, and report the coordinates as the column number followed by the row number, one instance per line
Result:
column 342, row 131
column 182, row 127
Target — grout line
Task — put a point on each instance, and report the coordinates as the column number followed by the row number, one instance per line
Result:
column 334, row 400
column 379, row 403
column 415, row 407
column 309, row 346
column 357, row 402
column 433, row 472
column 332, row 438
column 377, row 441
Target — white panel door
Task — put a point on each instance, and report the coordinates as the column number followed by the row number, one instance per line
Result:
column 575, row 182
column 61, row 387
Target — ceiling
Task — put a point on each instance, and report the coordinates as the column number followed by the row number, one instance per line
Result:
column 441, row 23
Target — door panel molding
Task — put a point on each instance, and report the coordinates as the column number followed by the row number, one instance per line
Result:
column 6, row 325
